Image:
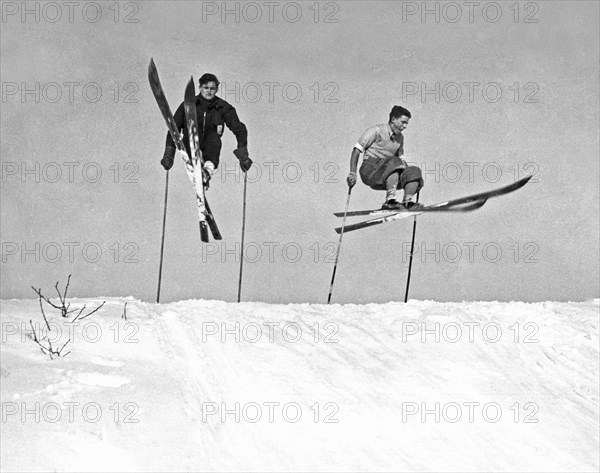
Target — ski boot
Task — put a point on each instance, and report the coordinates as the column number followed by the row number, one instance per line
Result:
column 410, row 205
column 392, row 204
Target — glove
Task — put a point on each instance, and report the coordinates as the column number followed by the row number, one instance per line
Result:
column 208, row 172
column 245, row 164
column 167, row 162
column 243, row 157
column 351, row 179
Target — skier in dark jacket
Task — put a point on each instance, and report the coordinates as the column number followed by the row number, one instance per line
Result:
column 212, row 112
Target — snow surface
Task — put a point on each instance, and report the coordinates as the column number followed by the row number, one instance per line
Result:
column 506, row 387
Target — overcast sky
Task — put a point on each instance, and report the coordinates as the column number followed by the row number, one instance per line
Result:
column 497, row 91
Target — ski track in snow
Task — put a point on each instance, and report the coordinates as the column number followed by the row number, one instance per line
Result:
column 157, row 375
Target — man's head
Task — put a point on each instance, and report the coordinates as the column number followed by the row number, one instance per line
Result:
column 399, row 117
column 209, row 85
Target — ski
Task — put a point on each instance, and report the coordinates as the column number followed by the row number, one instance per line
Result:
column 163, row 105
column 443, row 206
column 385, row 213
column 212, row 224
column 204, row 212
column 402, row 214
column 189, row 104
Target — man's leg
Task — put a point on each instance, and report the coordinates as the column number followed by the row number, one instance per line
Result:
column 391, row 184
column 410, row 189
column 411, row 181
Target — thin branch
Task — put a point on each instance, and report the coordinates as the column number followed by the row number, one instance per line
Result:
column 85, row 316
column 45, row 350
column 42, row 310
column 64, row 309
column 61, row 348
column 63, row 297
column 39, row 293
column 67, row 286
column 60, row 297
column 35, row 339
column 82, row 309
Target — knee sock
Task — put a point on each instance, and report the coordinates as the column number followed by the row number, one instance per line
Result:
column 391, row 183
column 410, row 189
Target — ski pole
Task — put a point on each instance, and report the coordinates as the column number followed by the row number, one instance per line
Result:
column 162, row 243
column 412, row 247
column 337, row 254
column 243, row 234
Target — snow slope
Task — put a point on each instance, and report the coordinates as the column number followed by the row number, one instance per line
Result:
column 214, row 386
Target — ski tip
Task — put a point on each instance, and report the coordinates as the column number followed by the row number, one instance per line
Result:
column 521, row 182
column 189, row 88
column 152, row 72
column 152, row 67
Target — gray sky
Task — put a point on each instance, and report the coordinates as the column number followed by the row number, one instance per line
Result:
column 497, row 91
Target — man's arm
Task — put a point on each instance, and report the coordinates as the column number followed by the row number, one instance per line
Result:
column 241, row 135
column 237, row 127
column 351, row 179
column 366, row 140
column 354, row 159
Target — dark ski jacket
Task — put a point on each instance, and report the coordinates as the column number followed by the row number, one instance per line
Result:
column 212, row 115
